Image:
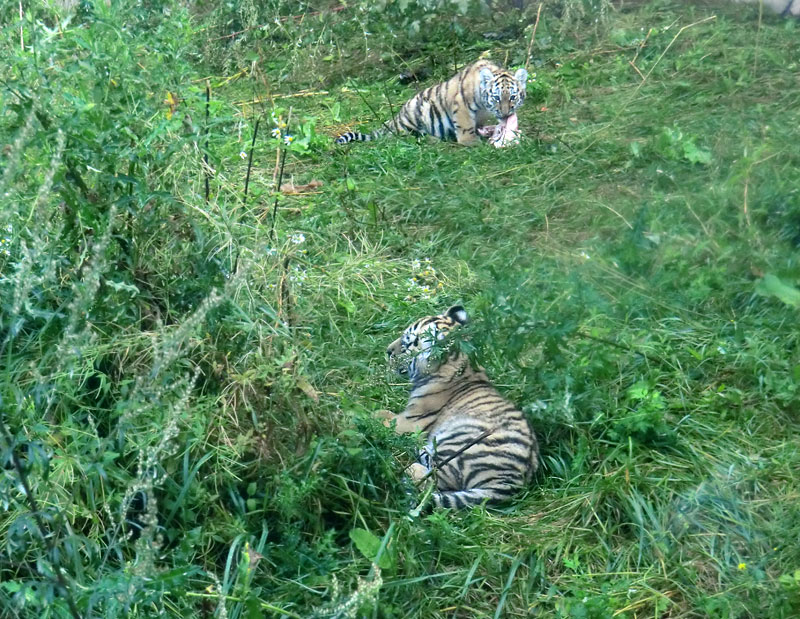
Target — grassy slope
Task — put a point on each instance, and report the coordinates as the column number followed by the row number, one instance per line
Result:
column 611, row 282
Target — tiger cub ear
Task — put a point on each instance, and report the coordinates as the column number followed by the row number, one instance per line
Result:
column 458, row 314
column 486, row 76
column 522, row 78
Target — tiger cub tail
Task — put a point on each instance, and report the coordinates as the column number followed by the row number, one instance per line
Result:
column 459, row 499
column 357, row 136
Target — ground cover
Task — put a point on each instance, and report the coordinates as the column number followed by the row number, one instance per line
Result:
column 189, row 367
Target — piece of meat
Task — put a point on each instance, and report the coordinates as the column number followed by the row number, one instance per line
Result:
column 506, row 132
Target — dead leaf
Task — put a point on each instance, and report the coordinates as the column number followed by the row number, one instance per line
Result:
column 305, row 387
column 291, row 188
column 171, row 101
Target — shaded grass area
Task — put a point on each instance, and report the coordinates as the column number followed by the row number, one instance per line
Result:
column 212, row 453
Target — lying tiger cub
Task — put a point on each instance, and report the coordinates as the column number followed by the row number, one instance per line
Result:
column 456, row 109
column 479, row 445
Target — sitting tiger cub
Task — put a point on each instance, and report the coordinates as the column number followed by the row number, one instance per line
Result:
column 478, row 443
column 455, row 109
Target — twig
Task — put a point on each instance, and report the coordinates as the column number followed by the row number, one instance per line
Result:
column 277, row 194
column 671, row 43
column 21, row 18
column 533, row 36
column 285, row 296
column 374, row 113
column 294, row 95
column 34, row 507
column 391, row 108
column 744, row 207
column 250, row 158
column 639, row 48
column 624, row 347
column 747, row 183
column 205, row 155
column 275, row 181
column 438, row 465
column 758, row 37
column 635, row 68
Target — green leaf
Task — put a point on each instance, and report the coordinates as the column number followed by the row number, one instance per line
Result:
column 122, row 286
column 638, row 391
column 695, row 154
column 368, row 545
column 11, row 586
column 771, row 286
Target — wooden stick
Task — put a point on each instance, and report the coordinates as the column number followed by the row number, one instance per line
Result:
column 533, row 36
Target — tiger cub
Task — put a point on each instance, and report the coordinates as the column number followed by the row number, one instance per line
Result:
column 478, row 443
column 455, row 109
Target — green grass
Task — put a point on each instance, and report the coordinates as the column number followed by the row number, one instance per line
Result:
column 188, row 384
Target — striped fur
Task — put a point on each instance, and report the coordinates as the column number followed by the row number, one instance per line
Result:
column 479, row 444
column 454, row 110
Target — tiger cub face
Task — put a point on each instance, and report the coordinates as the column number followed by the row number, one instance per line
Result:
column 502, row 93
column 412, row 354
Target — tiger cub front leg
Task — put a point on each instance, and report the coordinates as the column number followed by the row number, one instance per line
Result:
column 403, row 424
column 385, row 416
column 465, row 128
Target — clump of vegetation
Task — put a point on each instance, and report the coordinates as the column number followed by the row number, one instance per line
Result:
column 197, row 289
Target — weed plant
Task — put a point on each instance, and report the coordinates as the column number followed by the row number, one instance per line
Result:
column 188, row 372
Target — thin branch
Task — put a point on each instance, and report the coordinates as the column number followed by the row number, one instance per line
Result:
column 250, row 158
column 21, row 20
column 664, row 53
column 391, row 109
column 438, row 465
column 374, row 113
column 205, row 155
column 533, row 36
column 277, row 194
column 624, row 347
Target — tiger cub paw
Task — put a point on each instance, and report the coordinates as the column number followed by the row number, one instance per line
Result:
column 417, row 471
column 384, row 415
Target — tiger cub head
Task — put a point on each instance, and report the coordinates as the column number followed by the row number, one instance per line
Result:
column 412, row 353
column 502, row 93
